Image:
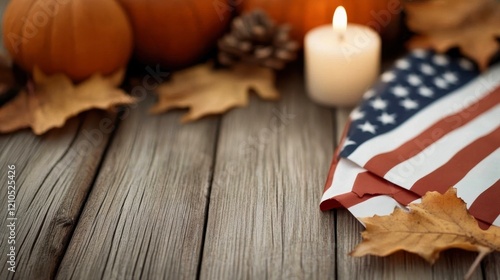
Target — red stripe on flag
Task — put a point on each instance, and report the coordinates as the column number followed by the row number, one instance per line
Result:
column 366, row 186
column 382, row 163
column 370, row 184
column 344, row 200
column 459, row 165
column 485, row 207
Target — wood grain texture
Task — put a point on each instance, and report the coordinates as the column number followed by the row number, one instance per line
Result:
column 264, row 220
column 491, row 266
column 54, row 173
column 145, row 215
column 453, row 264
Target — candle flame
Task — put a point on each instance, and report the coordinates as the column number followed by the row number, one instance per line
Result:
column 340, row 20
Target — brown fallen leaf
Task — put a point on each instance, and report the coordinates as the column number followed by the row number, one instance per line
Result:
column 472, row 26
column 206, row 91
column 440, row 222
column 54, row 99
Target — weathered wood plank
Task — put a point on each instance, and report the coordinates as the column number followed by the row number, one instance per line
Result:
column 264, row 220
column 146, row 213
column 491, row 266
column 452, row 264
column 53, row 175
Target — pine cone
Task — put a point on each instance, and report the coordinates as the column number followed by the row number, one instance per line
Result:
column 256, row 39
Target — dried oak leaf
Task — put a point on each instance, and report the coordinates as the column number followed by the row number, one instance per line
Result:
column 472, row 26
column 206, row 91
column 54, row 99
column 438, row 223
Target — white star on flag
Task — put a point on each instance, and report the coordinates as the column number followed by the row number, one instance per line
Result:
column 368, row 127
column 379, row 104
column 427, row 69
column 414, row 80
column 348, row 142
column 387, row 118
column 420, row 53
column 403, row 64
column 409, row 104
column 425, row 91
column 388, row 77
column 400, row 91
column 450, row 77
column 440, row 60
column 357, row 114
column 466, row 64
column 369, row 94
column 441, row 83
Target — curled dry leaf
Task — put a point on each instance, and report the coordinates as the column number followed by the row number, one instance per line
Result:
column 440, row 222
column 206, row 91
column 54, row 99
column 472, row 26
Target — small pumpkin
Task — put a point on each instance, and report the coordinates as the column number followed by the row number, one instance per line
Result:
column 176, row 33
column 304, row 15
column 74, row 37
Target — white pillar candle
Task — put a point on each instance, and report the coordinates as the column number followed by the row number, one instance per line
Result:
column 341, row 62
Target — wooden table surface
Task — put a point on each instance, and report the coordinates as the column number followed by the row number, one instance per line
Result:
column 228, row 197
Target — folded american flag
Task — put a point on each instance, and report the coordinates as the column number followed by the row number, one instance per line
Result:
column 430, row 123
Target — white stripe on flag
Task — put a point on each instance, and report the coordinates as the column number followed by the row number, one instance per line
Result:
column 408, row 172
column 343, row 179
column 383, row 205
column 477, row 180
column 379, row 205
column 446, row 106
column 497, row 222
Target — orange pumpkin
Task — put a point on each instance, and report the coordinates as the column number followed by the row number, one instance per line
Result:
column 303, row 15
column 176, row 33
column 74, row 37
